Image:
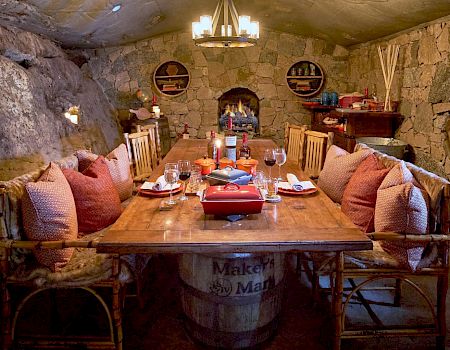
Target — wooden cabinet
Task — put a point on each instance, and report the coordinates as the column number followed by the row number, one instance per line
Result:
column 171, row 78
column 354, row 124
column 305, row 78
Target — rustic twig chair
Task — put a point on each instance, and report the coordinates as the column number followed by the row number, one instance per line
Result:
column 294, row 140
column 86, row 271
column 363, row 271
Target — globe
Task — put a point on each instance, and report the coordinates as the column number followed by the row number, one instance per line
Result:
column 144, row 94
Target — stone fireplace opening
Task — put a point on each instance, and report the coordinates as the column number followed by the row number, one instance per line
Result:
column 243, row 106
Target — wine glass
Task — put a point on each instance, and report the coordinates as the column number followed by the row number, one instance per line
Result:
column 184, row 167
column 171, row 174
column 280, row 158
column 269, row 159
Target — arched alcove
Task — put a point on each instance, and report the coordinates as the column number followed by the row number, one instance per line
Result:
column 244, row 103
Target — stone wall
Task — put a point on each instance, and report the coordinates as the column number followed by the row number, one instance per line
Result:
column 421, row 83
column 37, row 85
column 262, row 69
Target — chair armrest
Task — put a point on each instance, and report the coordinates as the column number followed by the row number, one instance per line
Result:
column 394, row 236
column 10, row 244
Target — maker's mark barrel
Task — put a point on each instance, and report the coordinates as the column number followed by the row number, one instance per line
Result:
column 232, row 300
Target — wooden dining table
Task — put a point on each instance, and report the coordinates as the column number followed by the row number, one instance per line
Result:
column 299, row 223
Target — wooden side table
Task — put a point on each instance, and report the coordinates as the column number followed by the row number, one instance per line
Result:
column 356, row 124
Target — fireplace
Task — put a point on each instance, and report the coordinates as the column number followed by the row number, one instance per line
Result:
column 243, row 106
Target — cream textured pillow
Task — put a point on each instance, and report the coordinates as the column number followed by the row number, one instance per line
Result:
column 338, row 169
column 402, row 207
column 49, row 214
column 118, row 165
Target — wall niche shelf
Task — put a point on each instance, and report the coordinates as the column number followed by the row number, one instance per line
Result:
column 305, row 78
column 171, row 78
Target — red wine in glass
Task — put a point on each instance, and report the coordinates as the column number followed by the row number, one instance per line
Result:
column 269, row 162
column 184, row 167
column 184, row 176
column 270, row 159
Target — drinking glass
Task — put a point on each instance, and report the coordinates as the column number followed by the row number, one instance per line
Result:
column 269, row 159
column 271, row 185
column 280, row 157
column 184, row 168
column 258, row 179
column 194, row 181
column 171, row 176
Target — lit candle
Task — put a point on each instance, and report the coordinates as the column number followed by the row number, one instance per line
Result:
column 218, row 155
column 157, row 111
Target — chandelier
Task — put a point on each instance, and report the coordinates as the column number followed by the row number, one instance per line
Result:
column 240, row 32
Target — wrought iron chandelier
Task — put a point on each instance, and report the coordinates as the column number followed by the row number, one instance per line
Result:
column 239, row 32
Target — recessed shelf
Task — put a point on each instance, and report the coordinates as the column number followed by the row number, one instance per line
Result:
column 305, row 78
column 173, row 74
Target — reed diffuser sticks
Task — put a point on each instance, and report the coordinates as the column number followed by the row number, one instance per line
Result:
column 388, row 67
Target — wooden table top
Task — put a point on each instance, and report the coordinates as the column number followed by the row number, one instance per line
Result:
column 297, row 223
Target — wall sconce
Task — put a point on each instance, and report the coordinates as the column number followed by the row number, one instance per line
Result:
column 73, row 114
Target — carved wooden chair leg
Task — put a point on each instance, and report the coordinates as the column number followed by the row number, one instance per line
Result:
column 117, row 305
column 337, row 300
column 442, row 288
column 6, row 318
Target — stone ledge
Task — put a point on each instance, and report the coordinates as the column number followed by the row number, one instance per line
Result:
column 441, row 108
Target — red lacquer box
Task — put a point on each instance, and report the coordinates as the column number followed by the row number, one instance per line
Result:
column 232, row 199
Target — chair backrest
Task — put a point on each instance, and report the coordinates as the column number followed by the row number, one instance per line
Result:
column 155, row 145
column 316, row 147
column 141, row 154
column 294, row 139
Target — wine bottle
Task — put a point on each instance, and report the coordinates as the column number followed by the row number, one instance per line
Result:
column 186, row 131
column 212, row 147
column 230, row 141
column 244, row 150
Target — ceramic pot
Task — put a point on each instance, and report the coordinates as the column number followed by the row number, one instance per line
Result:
column 249, row 165
column 207, row 165
column 224, row 162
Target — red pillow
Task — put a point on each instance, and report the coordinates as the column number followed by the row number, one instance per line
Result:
column 49, row 214
column 96, row 198
column 360, row 195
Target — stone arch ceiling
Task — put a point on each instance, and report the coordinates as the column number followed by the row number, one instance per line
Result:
column 90, row 23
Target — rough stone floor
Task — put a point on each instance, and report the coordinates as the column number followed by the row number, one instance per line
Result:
column 159, row 325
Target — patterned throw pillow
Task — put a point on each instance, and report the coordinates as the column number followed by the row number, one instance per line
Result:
column 402, row 207
column 360, row 195
column 118, row 165
column 49, row 214
column 96, row 198
column 338, row 169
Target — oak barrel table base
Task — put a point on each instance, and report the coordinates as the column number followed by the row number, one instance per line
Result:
column 232, row 300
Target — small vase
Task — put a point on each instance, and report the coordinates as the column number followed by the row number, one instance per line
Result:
column 325, row 100
column 172, row 69
column 334, row 98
